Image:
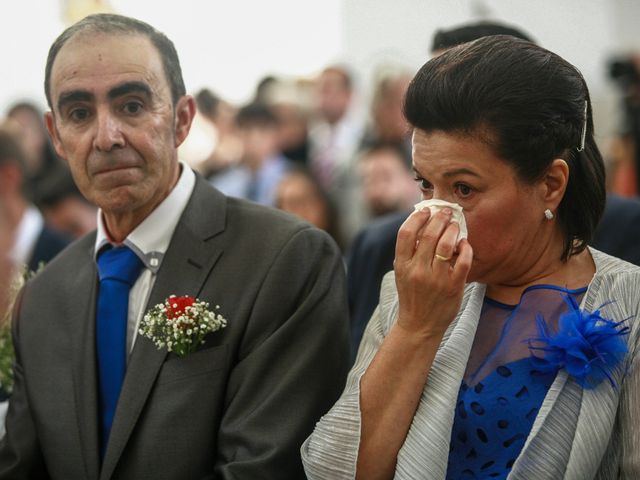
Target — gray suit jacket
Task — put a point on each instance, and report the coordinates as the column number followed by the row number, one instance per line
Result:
column 237, row 408
column 577, row 435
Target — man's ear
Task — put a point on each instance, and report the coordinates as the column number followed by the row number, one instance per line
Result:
column 185, row 111
column 555, row 183
column 50, row 123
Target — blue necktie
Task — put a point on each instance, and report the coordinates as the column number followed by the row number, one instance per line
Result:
column 118, row 270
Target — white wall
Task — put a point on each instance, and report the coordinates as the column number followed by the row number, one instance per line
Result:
column 229, row 45
column 27, row 28
column 224, row 45
column 583, row 32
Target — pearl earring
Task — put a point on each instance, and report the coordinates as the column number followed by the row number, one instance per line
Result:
column 548, row 214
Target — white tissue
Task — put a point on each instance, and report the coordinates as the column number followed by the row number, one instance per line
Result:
column 435, row 205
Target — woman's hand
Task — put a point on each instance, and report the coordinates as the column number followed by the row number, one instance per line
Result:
column 430, row 278
column 430, row 272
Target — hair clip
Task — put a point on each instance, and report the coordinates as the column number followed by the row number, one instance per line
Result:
column 584, row 128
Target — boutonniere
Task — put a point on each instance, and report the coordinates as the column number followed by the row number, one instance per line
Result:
column 587, row 345
column 180, row 324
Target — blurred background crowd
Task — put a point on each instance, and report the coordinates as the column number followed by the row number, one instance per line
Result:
column 329, row 144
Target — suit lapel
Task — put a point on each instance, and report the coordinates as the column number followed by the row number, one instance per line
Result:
column 186, row 265
column 84, row 285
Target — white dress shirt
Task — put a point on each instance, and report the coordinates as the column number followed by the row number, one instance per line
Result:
column 150, row 241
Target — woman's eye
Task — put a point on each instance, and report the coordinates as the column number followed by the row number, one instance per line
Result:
column 463, row 190
column 423, row 184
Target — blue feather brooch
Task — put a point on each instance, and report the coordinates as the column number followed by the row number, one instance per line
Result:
column 587, row 345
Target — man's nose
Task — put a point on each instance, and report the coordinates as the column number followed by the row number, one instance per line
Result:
column 108, row 134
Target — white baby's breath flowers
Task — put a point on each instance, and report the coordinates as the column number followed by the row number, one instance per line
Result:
column 180, row 324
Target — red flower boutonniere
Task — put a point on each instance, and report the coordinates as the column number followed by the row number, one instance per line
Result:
column 180, row 324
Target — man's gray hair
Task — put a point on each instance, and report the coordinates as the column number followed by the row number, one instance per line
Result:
column 119, row 24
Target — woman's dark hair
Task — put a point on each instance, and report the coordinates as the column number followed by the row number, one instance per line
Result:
column 528, row 105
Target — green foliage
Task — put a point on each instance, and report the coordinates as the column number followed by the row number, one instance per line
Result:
column 7, row 354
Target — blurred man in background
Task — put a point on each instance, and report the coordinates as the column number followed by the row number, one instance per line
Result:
column 64, row 207
column 387, row 179
column 40, row 161
column 262, row 164
column 35, row 241
column 334, row 138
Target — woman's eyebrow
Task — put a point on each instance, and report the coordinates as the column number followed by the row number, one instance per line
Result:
column 452, row 173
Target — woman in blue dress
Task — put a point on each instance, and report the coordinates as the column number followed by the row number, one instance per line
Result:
column 513, row 353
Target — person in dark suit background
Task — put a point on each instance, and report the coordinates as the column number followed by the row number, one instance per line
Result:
column 93, row 398
column 35, row 242
column 370, row 257
column 618, row 232
column 40, row 159
column 64, row 207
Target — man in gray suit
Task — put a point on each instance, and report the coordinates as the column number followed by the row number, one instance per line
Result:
column 240, row 406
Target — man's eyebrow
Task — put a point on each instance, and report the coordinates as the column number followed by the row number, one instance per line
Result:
column 73, row 96
column 130, row 87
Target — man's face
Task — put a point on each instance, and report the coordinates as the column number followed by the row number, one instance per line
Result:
column 114, row 123
column 259, row 143
column 31, row 136
column 386, row 183
column 71, row 215
column 333, row 96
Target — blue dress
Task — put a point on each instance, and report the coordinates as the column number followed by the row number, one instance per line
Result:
column 502, row 392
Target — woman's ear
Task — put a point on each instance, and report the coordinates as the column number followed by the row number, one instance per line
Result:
column 555, row 183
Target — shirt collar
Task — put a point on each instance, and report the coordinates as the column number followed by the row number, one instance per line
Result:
column 150, row 240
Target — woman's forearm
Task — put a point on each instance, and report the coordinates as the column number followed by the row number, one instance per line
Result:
column 430, row 287
column 390, row 391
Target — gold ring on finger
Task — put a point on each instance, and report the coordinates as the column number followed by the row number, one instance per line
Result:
column 442, row 258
